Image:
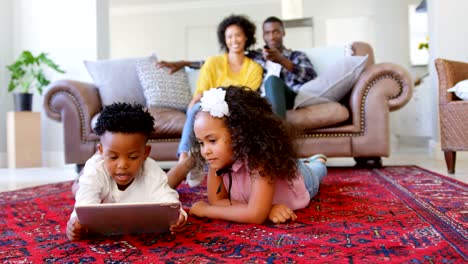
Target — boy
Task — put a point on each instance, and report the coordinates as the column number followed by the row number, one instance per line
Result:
column 121, row 171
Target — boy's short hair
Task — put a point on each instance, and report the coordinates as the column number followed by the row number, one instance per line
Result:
column 125, row 118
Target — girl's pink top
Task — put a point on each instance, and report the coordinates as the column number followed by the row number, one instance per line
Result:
column 292, row 194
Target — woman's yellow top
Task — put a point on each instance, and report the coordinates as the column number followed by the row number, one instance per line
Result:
column 216, row 73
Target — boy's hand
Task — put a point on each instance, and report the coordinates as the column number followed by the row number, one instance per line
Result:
column 198, row 208
column 180, row 225
column 75, row 231
column 280, row 213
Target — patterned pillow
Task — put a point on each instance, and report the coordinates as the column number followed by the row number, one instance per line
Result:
column 162, row 89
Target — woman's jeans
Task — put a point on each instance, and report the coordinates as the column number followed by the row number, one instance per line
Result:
column 185, row 141
column 280, row 96
column 313, row 173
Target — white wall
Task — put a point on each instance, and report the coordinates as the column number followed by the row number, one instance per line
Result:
column 6, row 47
column 68, row 31
column 165, row 28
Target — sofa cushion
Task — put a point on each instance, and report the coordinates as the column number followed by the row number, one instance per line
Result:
column 162, row 89
column 168, row 123
column 333, row 84
column 116, row 80
column 317, row 116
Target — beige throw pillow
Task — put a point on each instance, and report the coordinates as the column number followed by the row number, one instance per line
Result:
column 333, row 84
column 162, row 89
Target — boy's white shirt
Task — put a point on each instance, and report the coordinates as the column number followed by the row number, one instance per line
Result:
column 97, row 186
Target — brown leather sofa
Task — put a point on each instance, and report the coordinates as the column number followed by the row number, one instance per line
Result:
column 359, row 127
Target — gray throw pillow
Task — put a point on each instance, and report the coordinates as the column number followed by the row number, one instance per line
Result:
column 116, row 80
column 333, row 84
column 162, row 89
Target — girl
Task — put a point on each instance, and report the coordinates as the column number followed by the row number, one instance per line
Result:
column 236, row 34
column 254, row 173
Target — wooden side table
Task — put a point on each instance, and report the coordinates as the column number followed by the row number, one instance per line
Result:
column 24, row 137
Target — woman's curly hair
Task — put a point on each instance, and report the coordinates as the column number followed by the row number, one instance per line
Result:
column 258, row 135
column 125, row 118
column 244, row 23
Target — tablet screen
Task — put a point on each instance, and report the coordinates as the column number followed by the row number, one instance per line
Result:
column 128, row 218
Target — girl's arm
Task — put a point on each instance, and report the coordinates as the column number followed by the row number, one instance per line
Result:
column 255, row 211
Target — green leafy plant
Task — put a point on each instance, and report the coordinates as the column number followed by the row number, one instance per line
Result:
column 27, row 72
column 424, row 45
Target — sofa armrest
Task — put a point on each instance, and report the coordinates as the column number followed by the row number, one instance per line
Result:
column 74, row 103
column 385, row 84
column 449, row 73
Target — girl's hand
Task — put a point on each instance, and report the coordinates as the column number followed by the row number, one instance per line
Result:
column 75, row 231
column 180, row 225
column 199, row 208
column 280, row 213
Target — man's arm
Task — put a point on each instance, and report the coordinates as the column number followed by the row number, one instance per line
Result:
column 177, row 65
column 297, row 67
column 302, row 70
column 275, row 55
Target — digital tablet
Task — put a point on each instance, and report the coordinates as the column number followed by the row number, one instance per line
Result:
column 128, row 218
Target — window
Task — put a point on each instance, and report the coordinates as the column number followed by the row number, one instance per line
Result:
column 418, row 36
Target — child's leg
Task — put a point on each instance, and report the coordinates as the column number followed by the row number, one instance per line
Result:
column 313, row 173
column 179, row 172
column 275, row 93
column 187, row 131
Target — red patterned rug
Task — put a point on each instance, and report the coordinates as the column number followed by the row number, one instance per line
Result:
column 399, row 214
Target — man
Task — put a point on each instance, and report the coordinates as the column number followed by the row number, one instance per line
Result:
column 285, row 70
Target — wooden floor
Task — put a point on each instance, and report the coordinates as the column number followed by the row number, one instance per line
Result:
column 13, row 179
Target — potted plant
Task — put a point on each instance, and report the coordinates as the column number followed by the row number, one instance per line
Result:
column 27, row 74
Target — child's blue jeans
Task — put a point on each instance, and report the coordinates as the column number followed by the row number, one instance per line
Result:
column 185, row 143
column 313, row 173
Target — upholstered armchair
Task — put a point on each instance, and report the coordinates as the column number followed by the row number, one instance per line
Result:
column 453, row 112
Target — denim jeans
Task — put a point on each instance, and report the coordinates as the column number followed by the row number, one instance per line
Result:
column 280, row 96
column 313, row 173
column 185, row 141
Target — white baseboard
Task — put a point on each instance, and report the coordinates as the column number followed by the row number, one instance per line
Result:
column 435, row 150
column 53, row 159
column 393, row 141
column 49, row 159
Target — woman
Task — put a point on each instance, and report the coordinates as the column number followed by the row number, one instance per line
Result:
column 236, row 34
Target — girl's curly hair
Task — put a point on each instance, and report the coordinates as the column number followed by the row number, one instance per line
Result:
column 125, row 118
column 258, row 135
column 244, row 23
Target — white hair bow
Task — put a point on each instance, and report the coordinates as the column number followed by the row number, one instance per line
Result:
column 214, row 103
